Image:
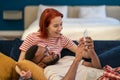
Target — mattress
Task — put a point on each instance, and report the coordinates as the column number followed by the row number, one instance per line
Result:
column 98, row 29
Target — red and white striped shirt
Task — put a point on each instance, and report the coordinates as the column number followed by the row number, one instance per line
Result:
column 55, row 44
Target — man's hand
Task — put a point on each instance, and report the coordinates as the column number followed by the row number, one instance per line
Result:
column 88, row 46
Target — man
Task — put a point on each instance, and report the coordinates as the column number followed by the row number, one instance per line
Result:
column 43, row 57
column 39, row 55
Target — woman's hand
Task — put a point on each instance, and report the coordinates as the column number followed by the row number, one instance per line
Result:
column 80, row 50
column 88, row 46
column 89, row 52
column 25, row 74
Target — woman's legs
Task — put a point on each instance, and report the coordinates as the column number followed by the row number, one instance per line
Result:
column 20, row 78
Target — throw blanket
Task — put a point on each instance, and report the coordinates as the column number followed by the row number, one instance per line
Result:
column 57, row 71
column 110, row 73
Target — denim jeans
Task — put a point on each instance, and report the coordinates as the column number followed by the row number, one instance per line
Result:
column 20, row 78
column 110, row 57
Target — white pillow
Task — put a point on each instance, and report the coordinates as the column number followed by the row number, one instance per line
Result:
column 92, row 12
column 62, row 9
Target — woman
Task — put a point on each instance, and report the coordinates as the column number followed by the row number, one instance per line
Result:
column 49, row 35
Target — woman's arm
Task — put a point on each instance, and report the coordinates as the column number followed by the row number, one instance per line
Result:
column 89, row 52
column 24, row 74
column 22, row 56
column 18, row 70
column 76, row 49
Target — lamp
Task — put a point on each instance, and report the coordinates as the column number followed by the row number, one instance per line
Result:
column 12, row 15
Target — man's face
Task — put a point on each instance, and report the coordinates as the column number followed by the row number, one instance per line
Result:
column 46, row 56
column 50, row 59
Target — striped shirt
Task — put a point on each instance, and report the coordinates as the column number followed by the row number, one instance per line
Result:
column 55, row 44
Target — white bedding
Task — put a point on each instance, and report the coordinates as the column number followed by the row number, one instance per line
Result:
column 57, row 71
column 99, row 29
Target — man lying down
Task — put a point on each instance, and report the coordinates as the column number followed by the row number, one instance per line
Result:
column 57, row 69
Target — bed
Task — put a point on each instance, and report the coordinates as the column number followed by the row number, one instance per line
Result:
column 102, row 22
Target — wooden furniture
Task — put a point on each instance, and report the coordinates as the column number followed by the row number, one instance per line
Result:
column 10, row 35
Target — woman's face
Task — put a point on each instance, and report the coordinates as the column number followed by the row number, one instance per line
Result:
column 55, row 27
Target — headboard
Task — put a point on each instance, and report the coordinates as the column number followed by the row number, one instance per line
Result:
column 30, row 13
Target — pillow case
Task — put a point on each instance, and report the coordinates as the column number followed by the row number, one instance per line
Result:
column 7, row 68
column 62, row 9
column 15, row 52
column 92, row 12
column 37, row 72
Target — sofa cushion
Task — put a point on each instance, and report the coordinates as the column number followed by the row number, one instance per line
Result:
column 66, row 52
column 37, row 72
column 107, row 57
column 15, row 52
column 5, row 46
column 7, row 68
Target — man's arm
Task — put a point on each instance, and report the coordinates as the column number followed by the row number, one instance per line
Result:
column 94, row 60
column 71, row 74
column 92, row 54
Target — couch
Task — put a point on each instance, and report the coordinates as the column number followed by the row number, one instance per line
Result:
column 10, row 49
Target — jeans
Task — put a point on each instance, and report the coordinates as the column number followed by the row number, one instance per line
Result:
column 20, row 78
column 110, row 57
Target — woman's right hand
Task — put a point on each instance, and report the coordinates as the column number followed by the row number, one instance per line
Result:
column 25, row 74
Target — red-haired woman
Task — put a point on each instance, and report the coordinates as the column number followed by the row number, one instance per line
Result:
column 50, row 35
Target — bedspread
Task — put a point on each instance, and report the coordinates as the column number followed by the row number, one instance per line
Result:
column 98, row 29
column 96, row 32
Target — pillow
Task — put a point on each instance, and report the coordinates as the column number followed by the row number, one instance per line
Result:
column 7, row 68
column 62, row 9
column 37, row 72
column 66, row 52
column 92, row 12
column 15, row 52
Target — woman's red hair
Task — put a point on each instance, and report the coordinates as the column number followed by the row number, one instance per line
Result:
column 45, row 19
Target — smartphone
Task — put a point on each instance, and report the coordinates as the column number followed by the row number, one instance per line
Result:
column 85, row 34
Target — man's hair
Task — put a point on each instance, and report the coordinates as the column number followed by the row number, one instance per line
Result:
column 30, row 53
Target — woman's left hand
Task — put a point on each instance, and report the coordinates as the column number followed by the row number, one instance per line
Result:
column 88, row 46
